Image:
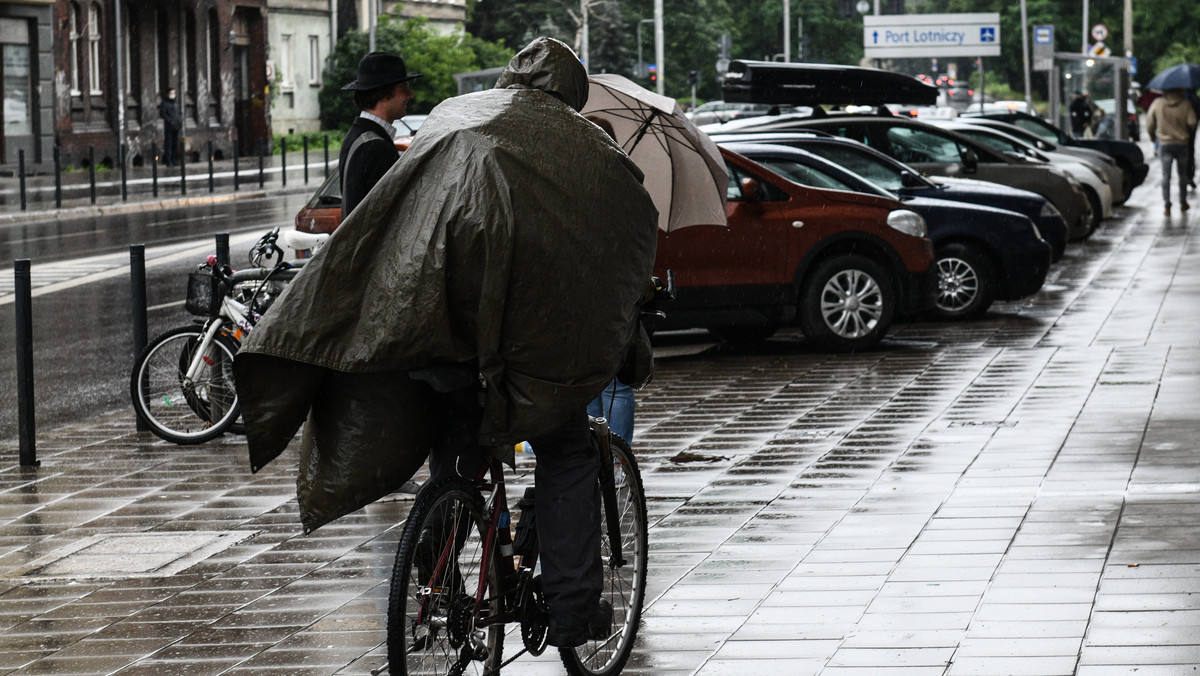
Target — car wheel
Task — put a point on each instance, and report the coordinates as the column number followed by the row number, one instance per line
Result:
column 745, row 335
column 848, row 303
column 966, row 282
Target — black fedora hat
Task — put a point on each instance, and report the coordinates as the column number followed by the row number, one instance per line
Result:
column 378, row 69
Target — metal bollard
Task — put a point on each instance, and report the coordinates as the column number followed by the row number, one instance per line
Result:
column 182, row 173
column 262, row 156
column 137, row 288
column 57, row 177
column 305, row 160
column 121, row 152
column 210, row 167
column 235, row 167
column 154, row 167
column 26, row 425
column 283, row 160
column 222, row 248
column 327, row 156
column 92, row 172
column 21, row 171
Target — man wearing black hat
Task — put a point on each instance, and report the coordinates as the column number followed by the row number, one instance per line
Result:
column 382, row 93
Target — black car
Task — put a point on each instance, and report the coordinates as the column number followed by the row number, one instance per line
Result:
column 941, row 152
column 1126, row 153
column 906, row 181
column 981, row 254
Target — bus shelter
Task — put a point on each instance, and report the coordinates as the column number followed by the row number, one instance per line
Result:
column 1105, row 79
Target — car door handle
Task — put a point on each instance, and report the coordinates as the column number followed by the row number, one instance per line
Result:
column 797, row 224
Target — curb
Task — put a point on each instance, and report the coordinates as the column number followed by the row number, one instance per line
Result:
column 146, row 205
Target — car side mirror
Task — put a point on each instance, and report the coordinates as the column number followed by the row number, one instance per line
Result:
column 908, row 179
column 751, row 190
column 970, row 161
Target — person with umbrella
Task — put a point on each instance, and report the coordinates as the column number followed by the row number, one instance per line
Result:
column 1170, row 123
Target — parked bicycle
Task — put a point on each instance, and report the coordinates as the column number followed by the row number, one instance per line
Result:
column 182, row 383
column 461, row 576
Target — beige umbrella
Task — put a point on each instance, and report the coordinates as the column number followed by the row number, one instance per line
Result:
column 685, row 174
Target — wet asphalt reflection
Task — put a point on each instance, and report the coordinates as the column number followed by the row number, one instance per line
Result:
column 1014, row 495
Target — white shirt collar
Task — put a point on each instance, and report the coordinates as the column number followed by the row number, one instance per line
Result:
column 387, row 126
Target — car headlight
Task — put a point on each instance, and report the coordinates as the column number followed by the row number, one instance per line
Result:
column 1048, row 211
column 907, row 222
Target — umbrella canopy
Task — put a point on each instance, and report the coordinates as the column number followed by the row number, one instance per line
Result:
column 685, row 174
column 1182, row 76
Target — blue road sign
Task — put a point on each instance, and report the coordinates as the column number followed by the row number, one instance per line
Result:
column 987, row 34
column 1043, row 35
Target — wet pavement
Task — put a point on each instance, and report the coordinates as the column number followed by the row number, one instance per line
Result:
column 1015, row 495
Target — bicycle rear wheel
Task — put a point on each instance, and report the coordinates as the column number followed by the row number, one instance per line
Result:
column 185, row 413
column 624, row 586
column 432, row 627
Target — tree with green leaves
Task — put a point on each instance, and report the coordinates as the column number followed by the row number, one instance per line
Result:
column 437, row 57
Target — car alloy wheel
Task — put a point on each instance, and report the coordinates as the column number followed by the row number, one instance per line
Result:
column 852, row 304
column 965, row 282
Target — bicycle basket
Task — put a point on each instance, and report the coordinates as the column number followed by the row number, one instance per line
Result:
column 202, row 294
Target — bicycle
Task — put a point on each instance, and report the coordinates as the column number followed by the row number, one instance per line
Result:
column 182, row 383
column 454, row 537
column 460, row 576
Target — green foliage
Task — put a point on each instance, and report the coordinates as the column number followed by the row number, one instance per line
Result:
column 437, row 57
column 316, row 142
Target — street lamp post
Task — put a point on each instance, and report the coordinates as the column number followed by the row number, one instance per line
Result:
column 658, row 45
column 787, row 31
column 583, row 30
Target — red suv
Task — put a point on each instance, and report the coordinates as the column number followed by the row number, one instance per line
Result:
column 841, row 265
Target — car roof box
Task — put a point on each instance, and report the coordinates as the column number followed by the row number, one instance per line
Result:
column 806, row 84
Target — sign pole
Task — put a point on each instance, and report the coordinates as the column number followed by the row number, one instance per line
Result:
column 1025, row 57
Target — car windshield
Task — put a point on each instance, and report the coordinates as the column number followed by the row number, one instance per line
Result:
column 883, row 174
column 917, row 145
column 1035, row 128
column 802, row 174
column 997, row 143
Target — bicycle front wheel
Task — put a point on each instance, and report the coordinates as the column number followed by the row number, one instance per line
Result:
column 624, row 585
column 179, row 410
column 433, row 626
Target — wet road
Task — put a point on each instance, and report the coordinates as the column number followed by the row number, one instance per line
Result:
column 1015, row 495
column 83, row 344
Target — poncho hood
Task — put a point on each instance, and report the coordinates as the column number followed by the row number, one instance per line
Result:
column 513, row 238
column 550, row 66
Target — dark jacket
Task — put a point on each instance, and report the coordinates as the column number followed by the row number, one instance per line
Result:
column 168, row 110
column 374, row 156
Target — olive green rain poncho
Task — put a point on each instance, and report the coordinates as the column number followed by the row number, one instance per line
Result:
column 513, row 235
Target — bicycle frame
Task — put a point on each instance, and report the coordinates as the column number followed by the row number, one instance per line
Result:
column 232, row 311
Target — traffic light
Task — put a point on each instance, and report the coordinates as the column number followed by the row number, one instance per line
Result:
column 693, row 78
column 653, row 69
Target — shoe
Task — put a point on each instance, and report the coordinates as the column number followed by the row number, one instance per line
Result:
column 1184, row 206
column 1167, row 210
column 598, row 629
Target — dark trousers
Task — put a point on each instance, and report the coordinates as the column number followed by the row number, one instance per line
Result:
column 170, row 146
column 566, row 485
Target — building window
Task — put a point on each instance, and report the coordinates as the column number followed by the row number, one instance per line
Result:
column 93, row 28
column 314, row 60
column 286, row 77
column 214, row 66
column 73, row 39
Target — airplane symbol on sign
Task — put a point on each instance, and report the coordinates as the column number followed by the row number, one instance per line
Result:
column 987, row 34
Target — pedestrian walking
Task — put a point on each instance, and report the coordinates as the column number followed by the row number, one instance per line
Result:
column 1194, row 101
column 172, row 119
column 381, row 92
column 1170, row 122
